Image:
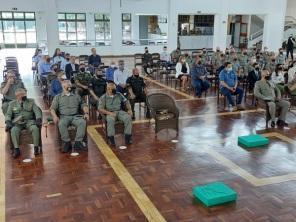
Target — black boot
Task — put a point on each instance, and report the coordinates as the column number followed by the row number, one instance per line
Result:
column 78, row 146
column 148, row 114
column 67, row 147
column 128, row 139
column 111, row 140
column 36, row 150
column 133, row 116
column 16, row 153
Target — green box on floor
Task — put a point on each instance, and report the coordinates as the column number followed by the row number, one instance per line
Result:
column 214, row 194
column 253, row 140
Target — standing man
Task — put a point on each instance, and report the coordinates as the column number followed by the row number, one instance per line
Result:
column 120, row 77
column 228, row 86
column 290, row 46
column 65, row 110
column 147, row 61
column 8, row 88
column 137, row 91
column 267, row 91
column 198, row 76
column 111, row 105
column 23, row 113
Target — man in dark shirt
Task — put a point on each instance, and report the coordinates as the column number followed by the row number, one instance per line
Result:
column 198, row 76
column 290, row 46
column 137, row 91
column 94, row 60
column 97, row 87
column 147, row 61
column 71, row 68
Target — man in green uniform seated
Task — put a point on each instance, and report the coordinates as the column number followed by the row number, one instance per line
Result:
column 23, row 113
column 110, row 104
column 65, row 110
column 8, row 88
column 82, row 81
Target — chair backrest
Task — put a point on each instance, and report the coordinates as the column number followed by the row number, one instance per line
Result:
column 158, row 101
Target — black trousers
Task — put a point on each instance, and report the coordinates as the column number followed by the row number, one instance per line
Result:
column 139, row 98
column 289, row 51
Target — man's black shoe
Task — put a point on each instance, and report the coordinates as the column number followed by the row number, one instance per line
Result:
column 67, row 147
column 111, row 140
column 272, row 124
column 128, row 139
column 78, row 146
column 281, row 123
column 16, row 153
column 36, row 150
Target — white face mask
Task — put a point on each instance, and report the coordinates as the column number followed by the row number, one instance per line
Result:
column 229, row 69
column 112, row 66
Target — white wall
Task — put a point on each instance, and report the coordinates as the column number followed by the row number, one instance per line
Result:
column 291, row 8
column 273, row 10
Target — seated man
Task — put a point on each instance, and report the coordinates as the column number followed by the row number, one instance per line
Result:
column 71, row 67
column 267, row 91
column 254, row 76
column 165, row 58
column 65, row 110
column 8, row 88
column 137, row 91
column 110, row 71
column 198, row 77
column 111, row 105
column 120, row 77
column 97, row 87
column 82, row 81
column 56, row 84
column 23, row 113
column 228, row 86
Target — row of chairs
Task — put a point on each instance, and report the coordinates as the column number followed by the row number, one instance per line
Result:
column 11, row 63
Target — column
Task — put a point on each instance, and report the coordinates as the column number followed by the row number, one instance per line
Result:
column 116, row 29
column 90, row 28
column 172, row 26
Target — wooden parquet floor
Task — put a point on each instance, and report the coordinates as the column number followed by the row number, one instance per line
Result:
column 56, row 187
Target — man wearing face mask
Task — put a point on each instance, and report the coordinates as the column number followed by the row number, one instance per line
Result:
column 267, row 91
column 281, row 58
column 23, row 113
column 111, row 105
column 290, row 46
column 65, row 62
column 271, row 65
column 110, row 71
column 278, row 78
column 120, row 77
column 254, row 76
column 8, row 88
column 45, row 66
column 175, row 55
column 198, row 77
column 66, row 109
column 137, row 91
column 71, row 68
column 228, row 86
column 97, row 87
column 82, row 81
column 147, row 61
column 244, row 60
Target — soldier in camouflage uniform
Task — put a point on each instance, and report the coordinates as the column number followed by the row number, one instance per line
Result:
column 270, row 66
column 23, row 113
column 82, row 81
column 8, row 88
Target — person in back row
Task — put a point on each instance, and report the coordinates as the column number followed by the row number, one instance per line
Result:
column 198, row 76
column 8, row 88
column 94, row 60
column 71, row 67
column 120, row 77
column 182, row 72
column 66, row 109
column 110, row 71
column 228, row 86
column 97, row 87
column 267, row 91
column 82, row 81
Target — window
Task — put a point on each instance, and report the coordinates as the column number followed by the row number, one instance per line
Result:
column 72, row 27
column 18, row 28
column 102, row 29
column 126, row 27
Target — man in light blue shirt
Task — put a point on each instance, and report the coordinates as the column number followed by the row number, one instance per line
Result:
column 65, row 62
column 120, row 77
column 110, row 72
column 228, row 86
column 45, row 66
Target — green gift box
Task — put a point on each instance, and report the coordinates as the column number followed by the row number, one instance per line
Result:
column 214, row 194
column 253, row 141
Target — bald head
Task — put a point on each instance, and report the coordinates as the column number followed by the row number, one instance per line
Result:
column 136, row 72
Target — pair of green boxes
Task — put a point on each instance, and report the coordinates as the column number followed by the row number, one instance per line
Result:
column 218, row 193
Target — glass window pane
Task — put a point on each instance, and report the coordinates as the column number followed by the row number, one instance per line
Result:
column 31, row 37
column 107, row 30
column 80, row 16
column 107, row 17
column 9, row 38
column 71, row 26
column 1, row 37
column 126, row 26
column 30, row 26
column 61, row 16
column 81, row 35
column 8, row 26
column 99, row 16
column 63, row 36
column 6, row 14
column 71, row 35
column 30, row 15
column 18, row 15
column 126, row 16
column 70, row 16
column 62, row 26
column 81, row 26
column 19, row 26
column 21, row 38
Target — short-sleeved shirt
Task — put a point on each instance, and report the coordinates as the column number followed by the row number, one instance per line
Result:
column 230, row 78
column 84, row 78
column 112, row 103
column 67, row 105
column 98, row 85
column 137, row 84
column 10, row 95
column 21, row 112
column 120, row 77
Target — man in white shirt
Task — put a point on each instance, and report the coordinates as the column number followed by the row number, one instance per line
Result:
column 120, row 77
column 165, row 57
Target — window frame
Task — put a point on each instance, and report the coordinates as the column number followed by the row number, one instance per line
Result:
column 123, row 20
column 106, row 20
